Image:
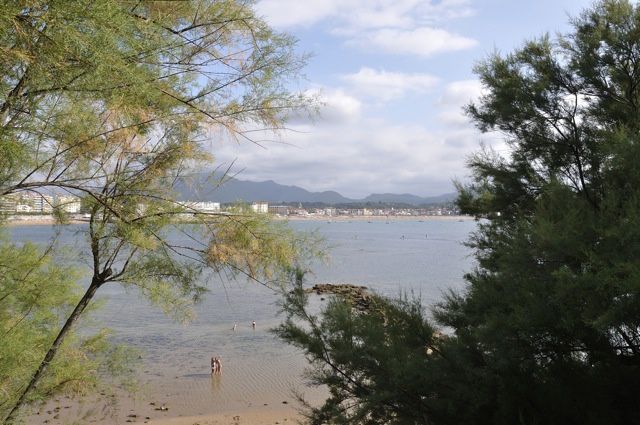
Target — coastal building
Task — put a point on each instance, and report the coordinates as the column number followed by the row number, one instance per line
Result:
column 260, row 207
column 330, row 212
column 203, row 206
column 43, row 204
column 279, row 209
column 8, row 203
column 24, row 208
column 26, row 203
column 70, row 204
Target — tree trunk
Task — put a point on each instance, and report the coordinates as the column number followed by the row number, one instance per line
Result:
column 35, row 379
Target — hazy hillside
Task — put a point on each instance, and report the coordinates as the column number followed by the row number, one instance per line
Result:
column 201, row 188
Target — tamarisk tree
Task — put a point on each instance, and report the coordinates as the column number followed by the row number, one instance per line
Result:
column 114, row 101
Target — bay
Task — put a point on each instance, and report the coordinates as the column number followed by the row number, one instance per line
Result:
column 423, row 258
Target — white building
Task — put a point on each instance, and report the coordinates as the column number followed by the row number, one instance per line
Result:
column 26, row 202
column 279, row 209
column 70, row 204
column 204, row 207
column 43, row 203
column 260, row 207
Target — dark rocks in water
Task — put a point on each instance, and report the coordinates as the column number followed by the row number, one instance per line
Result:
column 357, row 295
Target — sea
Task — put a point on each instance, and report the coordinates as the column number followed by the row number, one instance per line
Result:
column 422, row 258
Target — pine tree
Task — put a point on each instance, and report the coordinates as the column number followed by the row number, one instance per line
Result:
column 548, row 328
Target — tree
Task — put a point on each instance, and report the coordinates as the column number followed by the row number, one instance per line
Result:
column 114, row 101
column 37, row 288
column 548, row 329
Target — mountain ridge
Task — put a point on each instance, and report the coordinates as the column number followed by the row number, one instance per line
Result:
column 203, row 187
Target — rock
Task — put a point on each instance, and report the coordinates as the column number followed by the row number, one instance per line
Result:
column 357, row 295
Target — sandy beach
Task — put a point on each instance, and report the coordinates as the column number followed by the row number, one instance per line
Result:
column 376, row 218
column 50, row 220
column 37, row 221
column 122, row 408
column 255, row 417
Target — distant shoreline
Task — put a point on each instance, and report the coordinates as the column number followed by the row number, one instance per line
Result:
column 50, row 221
column 343, row 218
column 33, row 220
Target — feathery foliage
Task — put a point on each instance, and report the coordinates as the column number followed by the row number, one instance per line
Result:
column 112, row 101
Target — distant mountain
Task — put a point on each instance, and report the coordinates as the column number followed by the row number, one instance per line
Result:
column 201, row 188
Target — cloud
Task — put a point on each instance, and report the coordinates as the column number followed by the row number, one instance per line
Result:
column 396, row 26
column 362, row 14
column 424, row 41
column 359, row 157
column 339, row 106
column 456, row 95
column 290, row 13
column 334, row 106
column 461, row 92
column 387, row 85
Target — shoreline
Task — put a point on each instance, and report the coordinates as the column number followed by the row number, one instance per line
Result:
column 371, row 218
column 50, row 221
column 258, row 416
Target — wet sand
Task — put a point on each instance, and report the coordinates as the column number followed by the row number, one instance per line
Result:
column 250, row 390
column 122, row 408
column 256, row 417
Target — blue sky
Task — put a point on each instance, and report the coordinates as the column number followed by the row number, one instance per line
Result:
column 392, row 76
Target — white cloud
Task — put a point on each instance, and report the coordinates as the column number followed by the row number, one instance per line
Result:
column 397, row 26
column 289, row 13
column 386, row 85
column 358, row 157
column 461, row 92
column 339, row 106
column 455, row 97
column 335, row 106
column 362, row 14
column 424, row 41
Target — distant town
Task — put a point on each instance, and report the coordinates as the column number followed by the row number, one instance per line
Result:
column 32, row 206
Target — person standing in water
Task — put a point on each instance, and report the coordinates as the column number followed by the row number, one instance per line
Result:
column 216, row 366
column 253, row 325
column 235, row 325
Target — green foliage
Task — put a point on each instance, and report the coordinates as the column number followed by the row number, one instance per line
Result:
column 260, row 248
column 554, row 300
column 37, row 293
column 113, row 101
column 374, row 363
column 548, row 329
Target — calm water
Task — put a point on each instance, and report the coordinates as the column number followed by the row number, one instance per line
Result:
column 425, row 258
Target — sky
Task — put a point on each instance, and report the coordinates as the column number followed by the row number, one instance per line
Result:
column 392, row 76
